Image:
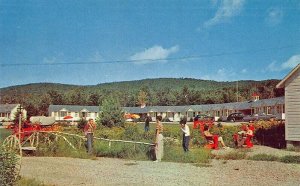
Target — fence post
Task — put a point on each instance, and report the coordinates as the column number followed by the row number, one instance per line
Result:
column 109, row 144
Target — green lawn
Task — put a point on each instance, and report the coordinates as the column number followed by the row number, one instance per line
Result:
column 4, row 133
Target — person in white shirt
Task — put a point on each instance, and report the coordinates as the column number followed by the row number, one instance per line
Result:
column 186, row 135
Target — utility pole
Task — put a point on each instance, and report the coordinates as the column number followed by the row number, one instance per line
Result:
column 237, row 91
column 20, row 109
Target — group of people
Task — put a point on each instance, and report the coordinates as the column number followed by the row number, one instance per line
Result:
column 240, row 138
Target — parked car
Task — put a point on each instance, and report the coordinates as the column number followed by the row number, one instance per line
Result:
column 256, row 117
column 237, row 116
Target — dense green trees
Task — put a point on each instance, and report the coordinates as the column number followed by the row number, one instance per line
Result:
column 111, row 113
column 168, row 91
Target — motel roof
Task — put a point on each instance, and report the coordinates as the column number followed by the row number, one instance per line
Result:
column 187, row 108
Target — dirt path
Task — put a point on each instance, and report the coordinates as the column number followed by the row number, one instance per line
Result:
column 107, row 171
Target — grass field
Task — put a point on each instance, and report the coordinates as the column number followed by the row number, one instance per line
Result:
column 3, row 134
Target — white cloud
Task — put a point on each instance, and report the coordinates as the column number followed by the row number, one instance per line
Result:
column 274, row 16
column 244, row 71
column 51, row 60
column 227, row 9
column 154, row 53
column 289, row 64
column 273, row 67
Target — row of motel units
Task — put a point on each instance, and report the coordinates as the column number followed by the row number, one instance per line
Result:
column 274, row 106
column 8, row 112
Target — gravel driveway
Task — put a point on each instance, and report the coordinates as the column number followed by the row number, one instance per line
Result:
column 108, row 171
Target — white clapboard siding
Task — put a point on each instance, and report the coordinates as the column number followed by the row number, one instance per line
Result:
column 292, row 106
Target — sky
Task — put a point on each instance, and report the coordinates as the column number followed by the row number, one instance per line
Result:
column 93, row 42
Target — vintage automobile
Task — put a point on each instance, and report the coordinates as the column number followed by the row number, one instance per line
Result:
column 237, row 116
column 257, row 117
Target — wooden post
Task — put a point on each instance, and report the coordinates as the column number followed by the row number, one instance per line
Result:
column 20, row 115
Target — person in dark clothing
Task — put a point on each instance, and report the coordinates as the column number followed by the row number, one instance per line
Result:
column 147, row 123
column 186, row 134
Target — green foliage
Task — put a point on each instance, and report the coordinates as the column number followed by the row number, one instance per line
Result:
column 8, row 167
column 197, row 138
column 4, row 133
column 176, row 154
column 110, row 133
column 293, row 148
column 234, row 155
column 290, row 159
column 37, row 97
column 132, row 132
column 121, row 150
column 111, row 113
column 270, row 133
column 264, row 157
column 226, row 132
column 58, row 147
column 284, row 159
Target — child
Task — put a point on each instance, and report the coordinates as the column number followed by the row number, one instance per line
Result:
column 186, row 134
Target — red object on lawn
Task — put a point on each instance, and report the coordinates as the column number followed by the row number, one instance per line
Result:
column 68, row 117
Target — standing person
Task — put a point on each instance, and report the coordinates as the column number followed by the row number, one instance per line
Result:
column 147, row 123
column 89, row 129
column 159, row 143
column 186, row 135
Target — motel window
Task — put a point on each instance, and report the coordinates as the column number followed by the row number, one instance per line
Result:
column 88, row 114
column 169, row 114
column 76, row 114
column 63, row 113
column 55, row 114
column 269, row 110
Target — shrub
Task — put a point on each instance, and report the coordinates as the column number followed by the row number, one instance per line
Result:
column 264, row 157
column 132, row 132
column 109, row 133
column 234, row 155
column 9, row 168
column 121, row 150
column 176, row 154
column 60, row 148
column 270, row 133
column 226, row 132
column 112, row 113
column 290, row 159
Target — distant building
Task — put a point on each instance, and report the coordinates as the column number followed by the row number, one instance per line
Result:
column 273, row 106
column 291, row 84
column 8, row 111
column 73, row 112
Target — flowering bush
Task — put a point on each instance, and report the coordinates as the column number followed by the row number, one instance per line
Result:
column 270, row 133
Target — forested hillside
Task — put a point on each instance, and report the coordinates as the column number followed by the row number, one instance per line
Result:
column 165, row 91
